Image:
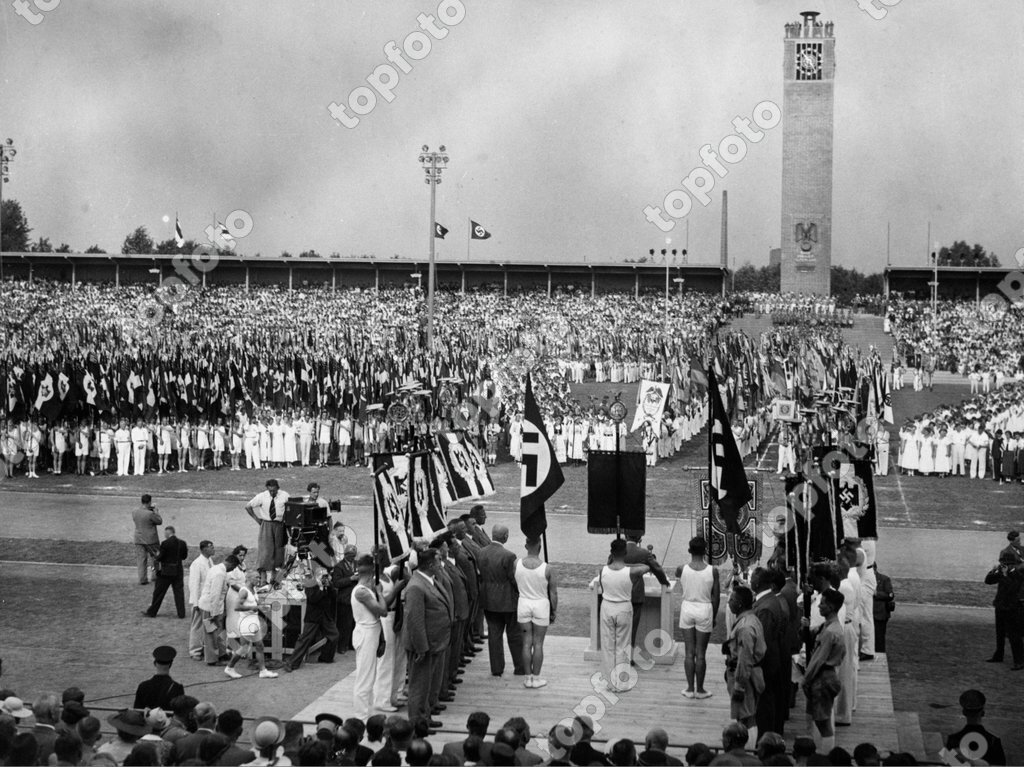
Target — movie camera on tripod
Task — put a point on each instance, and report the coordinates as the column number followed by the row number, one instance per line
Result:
column 307, row 523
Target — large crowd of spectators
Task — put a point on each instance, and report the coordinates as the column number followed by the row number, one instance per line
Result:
column 962, row 337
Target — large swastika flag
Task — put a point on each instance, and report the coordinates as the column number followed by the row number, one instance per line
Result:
column 541, row 475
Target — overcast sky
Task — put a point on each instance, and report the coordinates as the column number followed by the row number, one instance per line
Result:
column 562, row 121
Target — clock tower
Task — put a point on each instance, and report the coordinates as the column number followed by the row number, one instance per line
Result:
column 809, row 68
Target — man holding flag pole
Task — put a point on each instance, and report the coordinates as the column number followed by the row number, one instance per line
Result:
column 540, row 476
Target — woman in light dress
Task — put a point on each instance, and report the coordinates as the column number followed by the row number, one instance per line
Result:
column 909, row 453
column 344, row 437
column 324, row 427
column 82, row 435
column 184, row 443
column 60, row 445
column 165, row 437
column 515, row 438
column 291, row 452
column 238, row 439
column 220, row 440
column 943, row 448
column 202, row 443
column 926, row 459
column 277, row 441
column 263, row 427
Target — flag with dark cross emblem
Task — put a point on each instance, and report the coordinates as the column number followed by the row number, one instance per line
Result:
column 729, row 486
column 540, row 474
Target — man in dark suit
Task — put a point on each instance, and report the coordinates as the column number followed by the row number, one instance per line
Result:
column 784, row 587
column 342, row 579
column 443, row 580
column 159, row 690
column 499, row 599
column 478, row 518
column 146, row 539
column 770, row 611
column 884, row 602
column 476, row 725
column 188, row 747
column 425, row 635
column 473, row 549
column 46, row 710
column 170, row 573
column 460, row 613
column 465, row 560
column 638, row 555
column 319, row 626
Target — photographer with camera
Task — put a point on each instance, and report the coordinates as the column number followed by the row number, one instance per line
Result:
column 267, row 510
column 1008, row 577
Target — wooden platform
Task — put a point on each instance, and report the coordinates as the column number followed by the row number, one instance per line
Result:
column 656, row 700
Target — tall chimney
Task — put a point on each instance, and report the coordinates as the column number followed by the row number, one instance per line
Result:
column 725, row 228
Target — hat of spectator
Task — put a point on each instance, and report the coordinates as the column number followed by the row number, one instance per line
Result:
column 15, row 707
column 73, row 712
column 156, row 718
column 1012, row 535
column 72, row 693
column 328, row 723
column 1007, row 558
column 129, row 720
column 164, row 655
column 972, row 700
column 803, row 746
column 267, row 731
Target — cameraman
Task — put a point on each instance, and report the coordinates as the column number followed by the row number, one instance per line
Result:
column 1008, row 576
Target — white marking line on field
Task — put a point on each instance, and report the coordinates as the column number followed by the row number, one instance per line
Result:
column 62, row 564
column 903, row 498
column 767, row 447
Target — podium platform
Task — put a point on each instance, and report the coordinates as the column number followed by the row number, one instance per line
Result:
column 653, row 634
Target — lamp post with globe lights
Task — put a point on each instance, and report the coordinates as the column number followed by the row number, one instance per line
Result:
column 434, row 163
column 7, row 152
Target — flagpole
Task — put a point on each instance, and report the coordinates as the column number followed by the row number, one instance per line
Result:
column 544, row 541
column 469, row 237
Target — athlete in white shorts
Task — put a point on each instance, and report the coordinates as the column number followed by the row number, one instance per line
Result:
column 538, row 601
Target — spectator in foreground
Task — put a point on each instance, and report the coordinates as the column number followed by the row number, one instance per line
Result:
column 972, row 704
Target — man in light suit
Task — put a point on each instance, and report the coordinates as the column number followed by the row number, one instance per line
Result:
column 638, row 555
column 147, row 540
column 426, row 632
column 499, row 599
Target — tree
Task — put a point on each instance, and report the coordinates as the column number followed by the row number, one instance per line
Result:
column 15, row 228
column 42, row 245
column 765, row 279
column 64, row 248
column 962, row 254
column 309, row 254
column 95, row 249
column 170, row 247
column 138, row 241
column 285, row 254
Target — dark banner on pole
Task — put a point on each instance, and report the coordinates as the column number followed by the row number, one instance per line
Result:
column 616, row 486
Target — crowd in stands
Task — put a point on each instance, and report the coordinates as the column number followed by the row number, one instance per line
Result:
column 985, row 339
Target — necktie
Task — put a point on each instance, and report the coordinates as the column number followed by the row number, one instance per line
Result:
column 273, row 510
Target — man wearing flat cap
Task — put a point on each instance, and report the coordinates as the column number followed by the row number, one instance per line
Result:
column 973, row 741
column 159, row 690
column 267, row 510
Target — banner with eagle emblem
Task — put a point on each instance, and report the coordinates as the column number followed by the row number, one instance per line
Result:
column 462, row 473
column 390, row 511
column 651, row 397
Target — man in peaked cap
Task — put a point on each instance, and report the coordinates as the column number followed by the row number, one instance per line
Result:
column 159, row 690
column 327, row 725
column 973, row 741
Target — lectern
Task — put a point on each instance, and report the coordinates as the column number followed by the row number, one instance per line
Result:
column 657, row 614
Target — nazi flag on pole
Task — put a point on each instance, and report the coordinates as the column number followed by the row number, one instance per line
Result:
column 541, row 475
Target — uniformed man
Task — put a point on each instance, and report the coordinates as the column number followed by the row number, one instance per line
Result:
column 123, row 444
column 159, row 690
column 140, row 441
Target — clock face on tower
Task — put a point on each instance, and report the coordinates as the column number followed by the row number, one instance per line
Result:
column 808, row 61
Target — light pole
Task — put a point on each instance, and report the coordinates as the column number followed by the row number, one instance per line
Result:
column 433, row 164
column 7, row 152
column 935, row 287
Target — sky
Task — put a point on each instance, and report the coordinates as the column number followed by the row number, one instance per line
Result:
column 562, row 121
